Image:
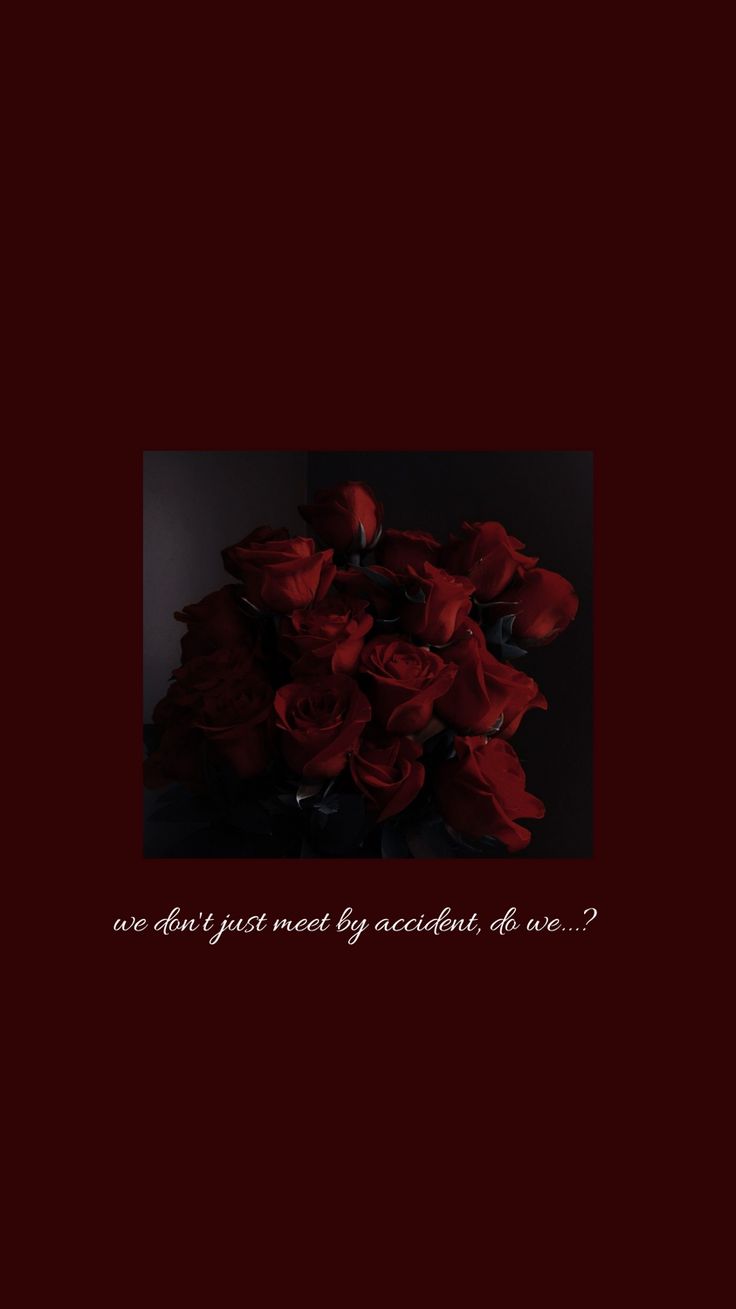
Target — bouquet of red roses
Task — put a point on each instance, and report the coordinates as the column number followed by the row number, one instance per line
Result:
column 355, row 694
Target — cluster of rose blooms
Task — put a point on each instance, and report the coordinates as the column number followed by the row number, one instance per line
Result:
column 330, row 664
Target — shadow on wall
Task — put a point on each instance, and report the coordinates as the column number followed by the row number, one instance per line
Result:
column 194, row 503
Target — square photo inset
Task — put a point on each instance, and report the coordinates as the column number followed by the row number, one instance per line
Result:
column 368, row 654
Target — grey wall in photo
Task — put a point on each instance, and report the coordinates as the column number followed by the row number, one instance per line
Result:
column 195, row 503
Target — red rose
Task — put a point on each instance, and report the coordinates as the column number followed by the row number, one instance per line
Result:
column 279, row 575
column 488, row 556
column 481, row 792
column 405, row 682
column 543, row 604
column 381, row 588
column 397, row 550
column 326, row 638
column 235, row 718
column 187, row 686
column 205, row 674
column 223, row 696
column 389, row 774
column 219, row 620
column 347, row 517
column 320, row 722
column 484, row 690
column 434, row 604
column 263, row 534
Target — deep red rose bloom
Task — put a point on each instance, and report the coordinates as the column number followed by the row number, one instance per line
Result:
column 486, row 554
column 325, row 638
column 543, row 604
column 347, row 517
column 481, row 792
column 405, row 682
column 224, row 697
column 388, row 773
column 205, row 674
column 320, row 723
column 486, row 694
column 263, row 534
column 434, row 604
column 235, row 718
column 382, row 589
column 397, row 550
column 219, row 620
column 279, row 575
column 196, row 677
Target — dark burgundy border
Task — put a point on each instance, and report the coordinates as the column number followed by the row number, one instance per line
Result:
column 409, row 1059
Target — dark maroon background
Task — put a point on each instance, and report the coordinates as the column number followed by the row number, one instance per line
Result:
column 411, row 1079
column 240, row 243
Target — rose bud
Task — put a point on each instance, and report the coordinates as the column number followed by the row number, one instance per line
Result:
column 486, row 554
column 486, row 695
column 543, row 604
column 325, row 638
column 347, row 517
column 279, row 575
column 320, row 723
column 406, row 680
column 219, row 620
column 235, row 718
column 388, row 773
column 481, row 792
column 434, row 604
column 377, row 586
column 397, row 550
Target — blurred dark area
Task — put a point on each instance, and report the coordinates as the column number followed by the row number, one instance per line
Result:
column 546, row 499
